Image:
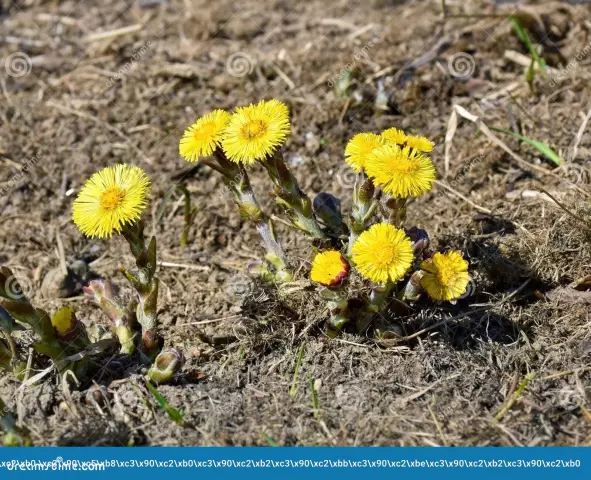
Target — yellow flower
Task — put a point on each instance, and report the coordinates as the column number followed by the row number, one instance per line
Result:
column 394, row 135
column 421, row 144
column 383, row 253
column 359, row 148
column 64, row 320
column 329, row 268
column 398, row 137
column 445, row 276
column 112, row 198
column 401, row 172
column 256, row 131
column 204, row 136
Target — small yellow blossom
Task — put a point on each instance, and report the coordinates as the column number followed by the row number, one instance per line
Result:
column 394, row 135
column 256, row 131
column 359, row 148
column 383, row 253
column 204, row 136
column 401, row 172
column 445, row 276
column 110, row 199
column 329, row 268
column 422, row 144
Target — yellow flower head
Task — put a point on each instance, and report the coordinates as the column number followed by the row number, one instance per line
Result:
column 401, row 172
column 329, row 268
column 204, row 136
column 398, row 137
column 112, row 198
column 422, row 144
column 64, row 320
column 256, row 131
column 394, row 135
column 445, row 276
column 359, row 148
column 383, row 253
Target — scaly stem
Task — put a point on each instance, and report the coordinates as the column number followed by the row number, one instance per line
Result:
column 397, row 208
column 146, row 285
column 337, row 304
column 288, row 194
column 375, row 303
column 362, row 209
column 236, row 180
column 104, row 294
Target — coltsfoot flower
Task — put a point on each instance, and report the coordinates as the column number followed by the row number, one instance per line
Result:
column 360, row 147
column 204, row 136
column 422, row 144
column 329, row 268
column 394, row 135
column 110, row 199
column 383, row 253
column 398, row 137
column 445, row 276
column 401, row 172
column 256, row 131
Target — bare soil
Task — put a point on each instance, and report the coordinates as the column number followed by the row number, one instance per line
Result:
column 454, row 376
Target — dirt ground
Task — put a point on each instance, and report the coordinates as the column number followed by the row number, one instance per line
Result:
column 75, row 99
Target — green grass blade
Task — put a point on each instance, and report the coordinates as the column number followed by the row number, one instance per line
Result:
column 524, row 37
column 314, row 396
column 173, row 413
column 292, row 390
column 539, row 146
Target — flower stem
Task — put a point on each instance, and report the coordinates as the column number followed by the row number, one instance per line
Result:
column 146, row 285
column 375, row 303
column 288, row 194
column 397, row 208
column 362, row 209
column 337, row 304
column 237, row 181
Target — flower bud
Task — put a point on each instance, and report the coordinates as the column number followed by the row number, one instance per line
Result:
column 68, row 329
column 419, row 239
column 167, row 364
column 328, row 209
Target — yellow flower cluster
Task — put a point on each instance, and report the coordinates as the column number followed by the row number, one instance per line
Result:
column 250, row 134
column 395, row 161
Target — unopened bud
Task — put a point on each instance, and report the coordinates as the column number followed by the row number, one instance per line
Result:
column 68, row 329
column 167, row 364
column 366, row 191
column 419, row 238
